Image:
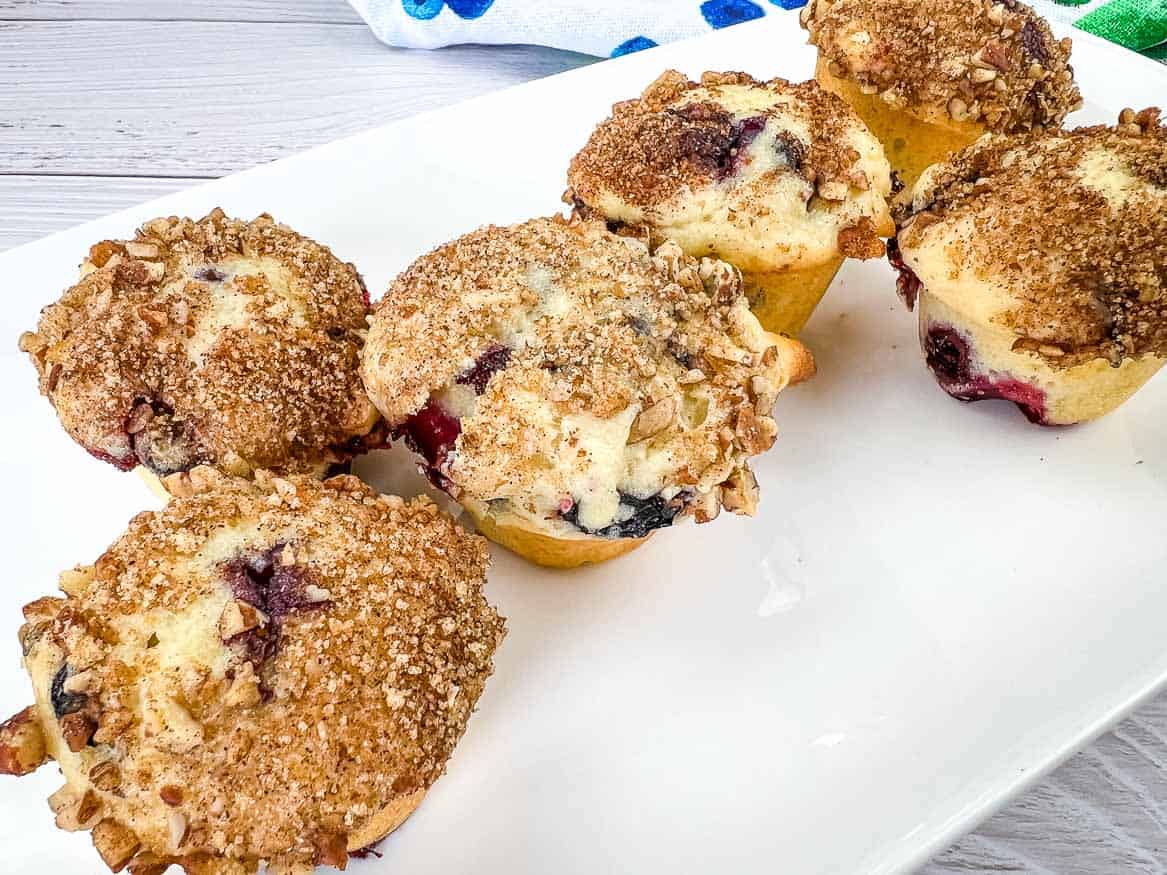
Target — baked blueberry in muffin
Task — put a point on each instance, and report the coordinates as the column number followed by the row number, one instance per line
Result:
column 781, row 180
column 573, row 391
column 930, row 76
column 221, row 342
column 271, row 670
column 1039, row 266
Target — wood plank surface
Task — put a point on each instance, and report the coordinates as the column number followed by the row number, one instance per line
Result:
column 319, row 11
column 34, row 206
column 206, row 98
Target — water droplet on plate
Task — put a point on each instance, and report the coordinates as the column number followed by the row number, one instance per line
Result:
column 784, row 576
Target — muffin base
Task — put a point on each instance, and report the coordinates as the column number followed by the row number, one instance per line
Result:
column 973, row 361
column 912, row 145
column 385, row 821
column 547, row 550
column 783, row 300
column 153, row 482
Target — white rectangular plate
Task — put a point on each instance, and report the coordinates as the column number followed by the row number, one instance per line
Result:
column 935, row 604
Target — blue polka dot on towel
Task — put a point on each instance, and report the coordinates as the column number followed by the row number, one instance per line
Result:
column 723, row 13
column 469, row 8
column 604, row 28
column 423, row 10
column 636, row 44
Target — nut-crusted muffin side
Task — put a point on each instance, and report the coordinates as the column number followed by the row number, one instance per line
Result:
column 562, row 374
column 215, row 341
column 271, row 670
column 994, row 63
column 1061, row 238
column 766, row 175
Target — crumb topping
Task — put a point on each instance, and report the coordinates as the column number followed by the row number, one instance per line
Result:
column 260, row 669
column 734, row 163
column 212, row 341
column 995, row 63
column 626, row 375
column 1073, row 224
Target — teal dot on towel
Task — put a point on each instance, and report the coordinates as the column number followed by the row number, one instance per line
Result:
column 422, row 9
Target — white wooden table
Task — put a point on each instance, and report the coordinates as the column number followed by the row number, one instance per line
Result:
column 106, row 103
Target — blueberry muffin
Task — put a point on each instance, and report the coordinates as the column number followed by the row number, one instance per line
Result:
column 575, row 392
column 219, row 342
column 1040, row 267
column 930, row 76
column 271, row 670
column 783, row 181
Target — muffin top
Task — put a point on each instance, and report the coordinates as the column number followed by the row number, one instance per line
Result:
column 563, row 374
column 1061, row 238
column 992, row 63
column 766, row 175
column 259, row 671
column 215, row 341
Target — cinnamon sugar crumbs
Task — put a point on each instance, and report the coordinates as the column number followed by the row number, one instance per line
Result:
column 669, row 140
column 994, row 63
column 362, row 693
column 609, row 345
column 220, row 341
column 1075, row 222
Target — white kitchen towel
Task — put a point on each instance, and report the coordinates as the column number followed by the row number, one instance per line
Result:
column 617, row 27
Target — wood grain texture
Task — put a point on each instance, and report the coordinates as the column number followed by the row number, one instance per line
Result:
column 319, row 11
column 207, row 98
column 154, row 94
column 1103, row 811
column 34, row 206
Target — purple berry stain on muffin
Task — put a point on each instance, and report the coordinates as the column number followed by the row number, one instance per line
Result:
column 742, row 135
column 160, row 442
column 489, row 363
column 432, row 433
column 278, row 590
column 908, row 285
column 715, row 139
column 644, row 515
column 434, row 430
column 209, row 274
column 949, row 358
column 122, row 464
column 790, row 149
column 63, row 701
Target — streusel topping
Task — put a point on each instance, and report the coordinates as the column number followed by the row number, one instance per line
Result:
column 996, row 63
column 1065, row 234
column 765, row 174
column 577, row 376
column 256, row 671
column 212, row 341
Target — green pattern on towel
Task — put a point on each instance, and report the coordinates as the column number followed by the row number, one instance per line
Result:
column 1137, row 24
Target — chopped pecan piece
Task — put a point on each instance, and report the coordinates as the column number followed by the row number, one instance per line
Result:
column 22, row 744
column 332, row 850
column 77, row 730
column 115, row 843
column 147, row 864
column 754, row 433
column 653, row 419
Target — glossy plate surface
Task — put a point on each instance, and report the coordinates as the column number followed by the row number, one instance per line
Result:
column 936, row 602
